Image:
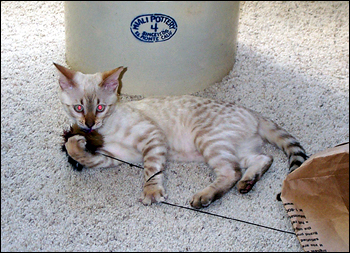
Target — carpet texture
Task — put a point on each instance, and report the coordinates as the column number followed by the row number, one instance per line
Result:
column 292, row 65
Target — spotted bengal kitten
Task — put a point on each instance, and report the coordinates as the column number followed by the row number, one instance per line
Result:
column 182, row 128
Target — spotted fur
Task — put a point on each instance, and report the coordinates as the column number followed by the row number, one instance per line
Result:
column 183, row 128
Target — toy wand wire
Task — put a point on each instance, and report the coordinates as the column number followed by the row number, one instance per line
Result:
column 201, row 211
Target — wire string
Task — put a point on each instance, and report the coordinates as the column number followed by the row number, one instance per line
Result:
column 201, row 211
column 228, row 218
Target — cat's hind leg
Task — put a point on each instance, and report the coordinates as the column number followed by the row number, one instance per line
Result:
column 257, row 165
column 228, row 172
column 254, row 161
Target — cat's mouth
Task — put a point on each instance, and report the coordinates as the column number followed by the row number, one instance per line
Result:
column 87, row 129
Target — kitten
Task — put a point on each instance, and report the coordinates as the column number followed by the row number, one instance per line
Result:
column 183, row 128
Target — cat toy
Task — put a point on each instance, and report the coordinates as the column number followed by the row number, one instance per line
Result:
column 94, row 140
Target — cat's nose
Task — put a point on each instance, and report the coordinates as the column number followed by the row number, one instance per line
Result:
column 89, row 124
column 90, row 120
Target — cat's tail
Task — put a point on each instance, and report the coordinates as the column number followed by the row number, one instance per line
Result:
column 274, row 134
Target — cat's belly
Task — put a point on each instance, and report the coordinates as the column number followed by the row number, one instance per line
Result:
column 193, row 156
column 182, row 148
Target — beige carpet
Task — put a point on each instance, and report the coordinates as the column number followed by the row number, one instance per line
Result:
column 292, row 65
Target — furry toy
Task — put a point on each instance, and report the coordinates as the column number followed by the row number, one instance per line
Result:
column 94, row 140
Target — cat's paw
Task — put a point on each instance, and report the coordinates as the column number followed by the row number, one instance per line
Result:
column 204, row 197
column 75, row 145
column 246, row 185
column 152, row 193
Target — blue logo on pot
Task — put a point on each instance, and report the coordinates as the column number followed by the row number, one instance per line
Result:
column 153, row 27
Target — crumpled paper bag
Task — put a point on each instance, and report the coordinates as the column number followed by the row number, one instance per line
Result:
column 316, row 198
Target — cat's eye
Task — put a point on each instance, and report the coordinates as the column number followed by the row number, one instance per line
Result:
column 78, row 108
column 100, row 108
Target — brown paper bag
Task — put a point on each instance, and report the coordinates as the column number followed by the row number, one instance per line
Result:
column 316, row 197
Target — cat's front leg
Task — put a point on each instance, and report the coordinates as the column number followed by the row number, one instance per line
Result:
column 153, row 191
column 154, row 161
column 75, row 147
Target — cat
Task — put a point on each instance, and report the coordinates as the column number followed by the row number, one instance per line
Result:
column 226, row 136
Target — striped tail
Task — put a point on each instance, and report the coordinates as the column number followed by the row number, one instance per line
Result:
column 274, row 134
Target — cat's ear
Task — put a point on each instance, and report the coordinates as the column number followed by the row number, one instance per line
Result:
column 111, row 79
column 66, row 77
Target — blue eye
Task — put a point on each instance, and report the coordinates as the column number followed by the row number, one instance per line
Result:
column 78, row 108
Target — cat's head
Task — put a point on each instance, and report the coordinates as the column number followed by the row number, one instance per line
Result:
column 88, row 98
